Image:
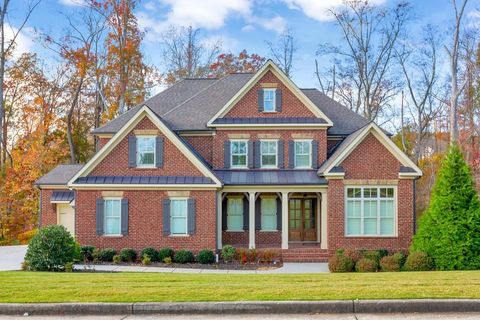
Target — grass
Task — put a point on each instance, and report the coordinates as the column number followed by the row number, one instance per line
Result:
column 137, row 287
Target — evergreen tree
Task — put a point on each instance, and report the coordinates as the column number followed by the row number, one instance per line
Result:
column 449, row 231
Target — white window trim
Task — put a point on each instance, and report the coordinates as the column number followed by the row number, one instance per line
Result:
column 276, row 154
column 261, row 212
column 105, row 217
column 146, row 166
column 246, row 154
column 243, row 211
column 295, row 154
column 186, row 217
column 274, row 101
column 395, row 213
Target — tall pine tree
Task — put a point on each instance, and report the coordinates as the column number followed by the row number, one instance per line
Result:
column 449, row 231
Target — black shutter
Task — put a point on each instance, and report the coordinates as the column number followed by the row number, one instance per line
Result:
column 132, row 151
column 291, row 154
column 251, row 154
column 124, row 217
column 224, row 214
column 191, row 216
column 246, row 221
column 260, row 100
column 226, row 154
column 258, row 214
column 166, row 217
column 278, row 100
column 279, row 213
column 159, row 152
column 100, row 211
column 314, row 154
column 258, row 154
column 280, row 154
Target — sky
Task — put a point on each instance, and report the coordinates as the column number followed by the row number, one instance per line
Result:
column 238, row 24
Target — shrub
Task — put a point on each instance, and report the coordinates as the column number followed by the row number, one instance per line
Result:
column 206, row 256
column 183, row 256
column 164, row 253
column 354, row 254
column 268, row 256
column 418, row 261
column 366, row 265
column 106, row 255
column 151, row 253
column 340, row 263
column 228, row 253
column 116, row 259
column 383, row 253
column 241, row 255
column 392, row 263
column 87, row 252
column 374, row 255
column 50, row 249
column 128, row 255
column 146, row 260
column 69, row 267
column 167, row 260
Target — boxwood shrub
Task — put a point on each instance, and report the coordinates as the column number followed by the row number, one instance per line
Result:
column 151, row 253
column 392, row 263
column 165, row 253
column 418, row 261
column 87, row 252
column 128, row 255
column 366, row 265
column 228, row 253
column 206, row 256
column 106, row 255
column 183, row 256
column 340, row 263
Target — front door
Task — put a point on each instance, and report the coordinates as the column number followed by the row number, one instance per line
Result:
column 302, row 220
column 66, row 217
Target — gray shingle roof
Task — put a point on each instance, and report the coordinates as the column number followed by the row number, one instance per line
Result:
column 60, row 175
column 143, row 180
column 62, row 196
column 270, row 177
column 404, row 169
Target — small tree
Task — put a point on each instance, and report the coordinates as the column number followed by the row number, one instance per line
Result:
column 449, row 231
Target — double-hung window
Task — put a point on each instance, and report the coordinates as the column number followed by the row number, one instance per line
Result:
column 269, row 213
column 178, row 216
column 303, row 154
column 235, row 213
column 269, row 153
column 269, row 100
column 370, row 211
column 146, row 151
column 112, row 217
column 238, row 153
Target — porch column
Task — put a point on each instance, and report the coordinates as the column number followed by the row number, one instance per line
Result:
column 219, row 220
column 284, row 220
column 324, row 222
column 251, row 220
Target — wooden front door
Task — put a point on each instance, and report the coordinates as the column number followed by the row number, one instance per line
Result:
column 302, row 219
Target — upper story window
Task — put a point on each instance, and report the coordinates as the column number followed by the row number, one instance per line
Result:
column 238, row 153
column 146, row 151
column 370, row 211
column 269, row 153
column 269, row 100
column 303, row 154
column 235, row 214
column 112, row 217
column 178, row 216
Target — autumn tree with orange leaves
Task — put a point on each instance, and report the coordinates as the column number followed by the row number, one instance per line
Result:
column 242, row 63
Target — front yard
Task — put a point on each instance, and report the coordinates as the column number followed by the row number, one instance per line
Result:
column 136, row 287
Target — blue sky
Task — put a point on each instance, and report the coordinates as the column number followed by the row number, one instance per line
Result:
column 239, row 24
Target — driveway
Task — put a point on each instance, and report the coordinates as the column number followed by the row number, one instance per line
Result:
column 11, row 257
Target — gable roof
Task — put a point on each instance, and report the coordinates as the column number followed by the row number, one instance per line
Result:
column 331, row 167
column 144, row 111
column 269, row 66
column 60, row 175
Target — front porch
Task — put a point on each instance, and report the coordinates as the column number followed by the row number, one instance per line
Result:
column 291, row 219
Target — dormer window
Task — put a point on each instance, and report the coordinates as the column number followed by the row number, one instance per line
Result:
column 269, row 100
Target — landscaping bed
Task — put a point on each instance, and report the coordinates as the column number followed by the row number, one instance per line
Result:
column 235, row 265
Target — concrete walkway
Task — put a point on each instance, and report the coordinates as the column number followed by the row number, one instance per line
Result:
column 287, row 268
column 11, row 257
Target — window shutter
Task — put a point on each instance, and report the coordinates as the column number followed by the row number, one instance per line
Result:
column 291, row 154
column 280, row 154
column 224, row 214
column 260, row 100
column 278, row 100
column 258, row 154
column 124, row 218
column 132, row 151
column 99, row 216
column 279, row 213
column 191, row 216
column 246, row 221
column 314, row 154
column 166, row 217
column 251, row 153
column 258, row 215
column 159, row 152
column 226, row 154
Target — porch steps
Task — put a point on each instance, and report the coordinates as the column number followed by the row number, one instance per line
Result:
column 306, row 254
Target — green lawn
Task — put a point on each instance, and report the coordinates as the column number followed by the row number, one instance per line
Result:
column 131, row 287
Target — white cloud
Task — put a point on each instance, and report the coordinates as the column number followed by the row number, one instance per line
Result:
column 23, row 42
column 277, row 24
column 319, row 9
column 72, row 3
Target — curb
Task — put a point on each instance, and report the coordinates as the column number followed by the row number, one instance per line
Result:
column 254, row 307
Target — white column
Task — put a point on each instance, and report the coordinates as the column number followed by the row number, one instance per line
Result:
column 284, row 220
column 219, row 220
column 324, row 223
column 251, row 220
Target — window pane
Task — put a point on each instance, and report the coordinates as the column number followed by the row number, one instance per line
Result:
column 370, row 208
column 353, row 208
column 235, row 214
column 268, row 100
column 353, row 226
column 239, row 160
column 269, row 160
column 387, row 208
column 386, row 226
column 179, row 208
column 269, row 222
column 179, row 225
column 112, row 217
column 302, row 161
column 239, row 153
column 145, row 150
column 370, row 226
column 112, row 226
column 178, row 213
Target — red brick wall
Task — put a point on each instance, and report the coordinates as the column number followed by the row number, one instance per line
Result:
column 116, row 162
column 247, row 107
column 102, row 142
column 319, row 135
column 145, row 221
column 49, row 210
column 238, row 239
column 203, row 145
column 262, row 239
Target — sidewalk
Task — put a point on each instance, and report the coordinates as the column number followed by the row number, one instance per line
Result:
column 287, row 268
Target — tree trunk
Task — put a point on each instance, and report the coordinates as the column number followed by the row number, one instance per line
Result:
column 71, row 145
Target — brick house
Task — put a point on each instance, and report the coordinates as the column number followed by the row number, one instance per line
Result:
column 249, row 160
